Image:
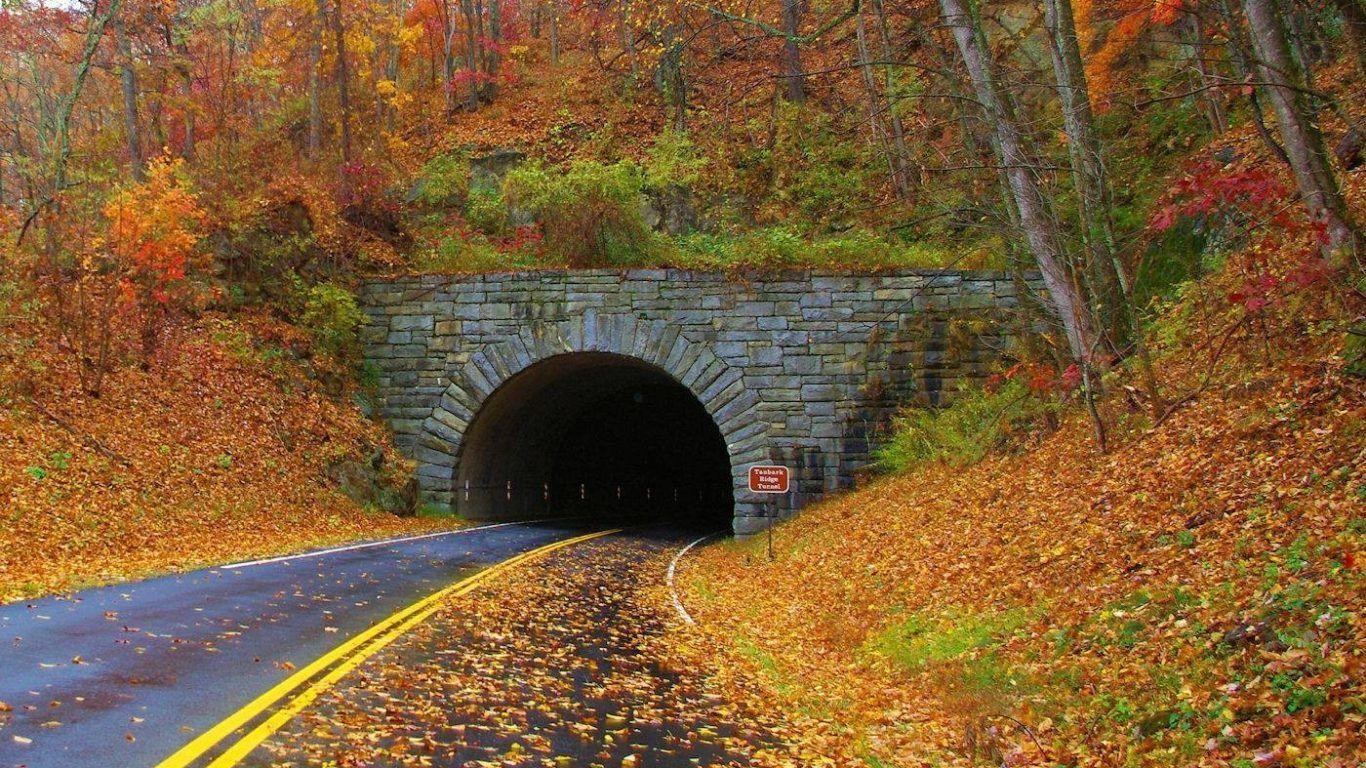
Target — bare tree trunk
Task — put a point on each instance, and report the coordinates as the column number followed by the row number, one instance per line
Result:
column 1285, row 88
column 555, row 33
column 252, row 97
column 878, row 104
column 1240, row 56
column 315, row 62
column 669, row 76
column 1036, row 219
column 1354, row 25
column 493, row 59
column 1210, row 94
column 1083, row 150
column 875, row 101
column 183, row 65
column 473, row 23
column 187, row 149
column 448, row 60
column 628, row 41
column 900, row 154
column 391, row 67
column 794, row 76
column 1095, row 201
column 128, row 85
column 343, row 80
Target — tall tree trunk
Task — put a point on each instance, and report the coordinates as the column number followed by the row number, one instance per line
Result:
column 1285, row 87
column 343, row 80
column 555, row 33
column 251, row 97
column 669, row 77
column 628, row 42
column 1354, row 25
column 900, row 154
column 1083, row 148
column 1210, row 94
column 391, row 66
column 315, row 63
column 473, row 23
column 187, row 148
column 1035, row 217
column 448, row 60
column 877, row 105
column 794, row 76
column 128, row 85
column 493, row 58
column 1240, row 56
column 1095, row 201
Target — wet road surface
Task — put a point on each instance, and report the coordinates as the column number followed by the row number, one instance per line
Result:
column 125, row 675
column 562, row 663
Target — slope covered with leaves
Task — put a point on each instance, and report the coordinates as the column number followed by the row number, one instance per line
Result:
column 1192, row 597
column 219, row 452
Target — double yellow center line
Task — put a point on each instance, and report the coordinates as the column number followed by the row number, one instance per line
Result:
column 337, row 662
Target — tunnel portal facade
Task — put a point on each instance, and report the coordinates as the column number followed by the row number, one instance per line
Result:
column 535, row 394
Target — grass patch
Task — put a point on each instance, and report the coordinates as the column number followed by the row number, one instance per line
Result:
column 781, row 247
column 766, row 664
column 976, row 423
column 920, row 640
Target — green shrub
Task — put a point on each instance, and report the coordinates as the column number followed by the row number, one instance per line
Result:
column 1175, row 257
column 590, row 213
column 459, row 254
column 817, row 170
column 772, row 247
column 487, row 212
column 333, row 318
column 444, row 181
column 976, row 423
column 673, row 161
column 1354, row 351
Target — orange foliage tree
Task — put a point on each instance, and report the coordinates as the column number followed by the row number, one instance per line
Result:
column 152, row 238
column 1135, row 18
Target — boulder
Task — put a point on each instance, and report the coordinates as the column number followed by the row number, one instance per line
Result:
column 368, row 484
column 672, row 210
column 487, row 171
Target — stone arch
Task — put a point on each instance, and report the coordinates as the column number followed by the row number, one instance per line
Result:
column 717, row 386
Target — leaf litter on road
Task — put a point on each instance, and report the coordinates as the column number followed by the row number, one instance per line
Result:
column 560, row 663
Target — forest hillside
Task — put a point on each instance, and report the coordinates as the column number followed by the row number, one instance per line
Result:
column 1138, row 544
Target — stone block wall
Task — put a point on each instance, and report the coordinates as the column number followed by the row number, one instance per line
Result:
column 804, row 369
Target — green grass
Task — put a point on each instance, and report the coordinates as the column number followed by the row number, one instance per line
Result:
column 974, row 424
column 767, row 664
column 919, row 640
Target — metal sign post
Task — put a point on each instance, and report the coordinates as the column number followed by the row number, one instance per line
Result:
column 769, row 479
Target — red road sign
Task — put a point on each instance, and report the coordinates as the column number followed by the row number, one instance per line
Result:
column 769, row 479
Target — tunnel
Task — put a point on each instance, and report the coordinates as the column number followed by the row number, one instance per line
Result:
column 594, row 435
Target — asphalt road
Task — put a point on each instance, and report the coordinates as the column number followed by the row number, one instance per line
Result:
column 569, row 662
column 125, row 675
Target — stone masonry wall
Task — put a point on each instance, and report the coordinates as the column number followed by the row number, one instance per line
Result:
column 802, row 369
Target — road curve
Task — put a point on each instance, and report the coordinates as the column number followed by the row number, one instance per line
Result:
column 126, row 675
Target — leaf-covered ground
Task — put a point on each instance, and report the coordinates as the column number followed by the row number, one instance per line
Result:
column 559, row 663
column 1195, row 597
column 215, row 454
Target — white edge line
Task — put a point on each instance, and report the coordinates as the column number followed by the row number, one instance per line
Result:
column 368, row 545
column 673, row 569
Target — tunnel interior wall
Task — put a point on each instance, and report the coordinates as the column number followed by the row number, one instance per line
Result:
column 801, row 369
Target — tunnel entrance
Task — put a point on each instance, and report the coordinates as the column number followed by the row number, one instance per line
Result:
column 594, row 434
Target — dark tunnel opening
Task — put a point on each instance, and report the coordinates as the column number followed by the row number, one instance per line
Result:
column 597, row 435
